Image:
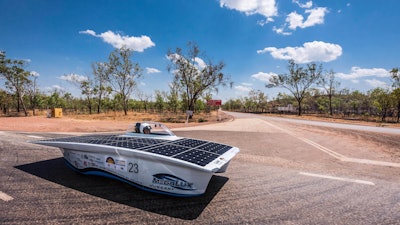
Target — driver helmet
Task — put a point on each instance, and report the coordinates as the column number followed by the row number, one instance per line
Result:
column 145, row 128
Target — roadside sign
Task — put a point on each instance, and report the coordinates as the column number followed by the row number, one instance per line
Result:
column 214, row 102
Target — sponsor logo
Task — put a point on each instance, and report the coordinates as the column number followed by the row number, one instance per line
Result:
column 172, row 181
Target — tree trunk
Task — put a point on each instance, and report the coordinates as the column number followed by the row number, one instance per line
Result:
column 330, row 105
column 23, row 105
column 299, row 112
column 398, row 111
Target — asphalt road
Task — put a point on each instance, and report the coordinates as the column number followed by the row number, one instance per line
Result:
column 288, row 172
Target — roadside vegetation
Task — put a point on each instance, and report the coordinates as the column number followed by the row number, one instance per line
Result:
column 313, row 91
column 109, row 90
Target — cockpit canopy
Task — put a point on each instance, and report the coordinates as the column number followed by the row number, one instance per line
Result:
column 149, row 127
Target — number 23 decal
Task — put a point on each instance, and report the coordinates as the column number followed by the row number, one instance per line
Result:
column 133, row 168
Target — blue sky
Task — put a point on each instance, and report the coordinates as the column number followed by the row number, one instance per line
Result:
column 359, row 40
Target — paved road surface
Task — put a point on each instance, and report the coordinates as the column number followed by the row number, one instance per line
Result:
column 286, row 173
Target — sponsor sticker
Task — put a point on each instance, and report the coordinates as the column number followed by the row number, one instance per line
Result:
column 162, row 180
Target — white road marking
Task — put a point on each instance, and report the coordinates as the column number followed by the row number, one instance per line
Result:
column 34, row 136
column 5, row 197
column 337, row 178
column 335, row 154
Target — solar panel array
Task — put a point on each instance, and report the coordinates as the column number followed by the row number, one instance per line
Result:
column 190, row 150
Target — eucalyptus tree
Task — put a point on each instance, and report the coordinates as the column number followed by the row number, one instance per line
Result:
column 173, row 98
column 193, row 76
column 396, row 92
column 17, row 79
column 396, row 77
column 259, row 98
column 160, row 100
column 101, row 72
column 123, row 74
column 34, row 93
column 85, row 84
column 382, row 101
column 330, row 85
column 298, row 80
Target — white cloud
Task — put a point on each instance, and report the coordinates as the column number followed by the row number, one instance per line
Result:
column 357, row 72
column 309, row 52
column 138, row 44
column 73, row 77
column 377, row 83
column 316, row 16
column 281, row 31
column 263, row 76
column 198, row 62
column 242, row 88
column 54, row 88
column 34, row 73
column 306, row 5
column 152, row 70
column 266, row 8
column 247, row 84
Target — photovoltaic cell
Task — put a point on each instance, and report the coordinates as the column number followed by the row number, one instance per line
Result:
column 191, row 150
column 189, row 142
column 168, row 150
column 198, row 157
column 215, row 148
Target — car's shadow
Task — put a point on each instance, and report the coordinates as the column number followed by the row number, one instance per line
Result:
column 56, row 171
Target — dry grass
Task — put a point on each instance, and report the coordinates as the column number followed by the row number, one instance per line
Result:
column 166, row 117
column 338, row 120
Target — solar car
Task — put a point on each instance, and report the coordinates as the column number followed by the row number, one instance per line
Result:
column 148, row 156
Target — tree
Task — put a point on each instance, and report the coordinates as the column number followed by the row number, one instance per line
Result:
column 173, row 98
column 330, row 85
column 396, row 92
column 85, row 84
column 34, row 93
column 396, row 77
column 297, row 81
column 259, row 98
column 16, row 78
column 123, row 74
column 160, row 101
column 101, row 72
column 193, row 76
column 396, row 98
column 381, row 99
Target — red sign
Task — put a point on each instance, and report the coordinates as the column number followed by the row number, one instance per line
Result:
column 214, row 102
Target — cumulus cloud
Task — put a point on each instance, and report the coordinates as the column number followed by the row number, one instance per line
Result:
column 377, row 83
column 266, row 8
column 34, row 74
column 242, row 88
column 152, row 70
column 54, row 88
column 316, row 51
column 138, row 44
column 263, row 76
column 281, row 31
column 73, row 77
column 306, row 5
column 357, row 72
column 269, row 10
column 316, row 16
column 198, row 62
column 247, row 84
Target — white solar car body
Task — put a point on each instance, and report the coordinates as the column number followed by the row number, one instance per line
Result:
column 158, row 161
